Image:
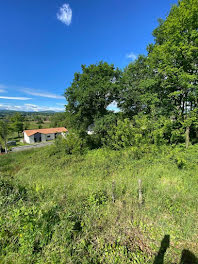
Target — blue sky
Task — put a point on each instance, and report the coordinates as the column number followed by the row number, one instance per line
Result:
column 43, row 43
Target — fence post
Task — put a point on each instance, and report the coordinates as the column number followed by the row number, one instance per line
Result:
column 113, row 191
column 140, row 191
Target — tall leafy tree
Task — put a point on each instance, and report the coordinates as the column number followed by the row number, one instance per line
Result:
column 91, row 92
column 17, row 123
column 137, row 88
column 4, row 132
column 174, row 59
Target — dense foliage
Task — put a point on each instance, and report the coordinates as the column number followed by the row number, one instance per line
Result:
column 163, row 86
column 91, row 92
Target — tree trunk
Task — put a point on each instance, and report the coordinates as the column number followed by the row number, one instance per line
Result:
column 6, row 149
column 187, row 136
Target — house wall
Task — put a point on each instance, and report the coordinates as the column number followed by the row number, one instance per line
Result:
column 43, row 137
column 27, row 139
column 46, row 137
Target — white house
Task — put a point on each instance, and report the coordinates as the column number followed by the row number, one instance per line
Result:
column 42, row 135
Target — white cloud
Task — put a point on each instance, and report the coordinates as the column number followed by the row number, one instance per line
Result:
column 65, row 14
column 14, row 98
column 36, row 108
column 42, row 94
column 131, row 56
column 2, row 88
column 31, row 108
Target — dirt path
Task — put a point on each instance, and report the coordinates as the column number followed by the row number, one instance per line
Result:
column 26, row 147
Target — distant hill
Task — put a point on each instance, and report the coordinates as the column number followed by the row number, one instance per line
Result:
column 14, row 111
column 4, row 113
column 8, row 111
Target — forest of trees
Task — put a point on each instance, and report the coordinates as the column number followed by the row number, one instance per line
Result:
column 156, row 95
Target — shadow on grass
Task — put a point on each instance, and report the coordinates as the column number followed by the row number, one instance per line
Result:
column 187, row 257
column 159, row 259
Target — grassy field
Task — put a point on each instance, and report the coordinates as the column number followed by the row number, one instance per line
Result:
column 58, row 208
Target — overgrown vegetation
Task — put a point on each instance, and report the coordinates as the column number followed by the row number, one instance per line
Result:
column 59, row 208
column 160, row 87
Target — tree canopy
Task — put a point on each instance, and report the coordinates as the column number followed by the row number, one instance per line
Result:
column 91, row 92
column 4, row 132
column 162, row 85
column 174, row 58
column 17, row 122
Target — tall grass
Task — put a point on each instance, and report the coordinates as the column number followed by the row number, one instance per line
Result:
column 58, row 208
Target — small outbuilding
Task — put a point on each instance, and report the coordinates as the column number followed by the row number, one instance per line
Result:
column 43, row 135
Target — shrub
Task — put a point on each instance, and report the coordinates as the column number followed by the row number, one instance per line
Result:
column 122, row 135
column 71, row 144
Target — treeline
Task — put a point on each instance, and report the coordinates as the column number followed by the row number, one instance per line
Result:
column 30, row 116
column 156, row 96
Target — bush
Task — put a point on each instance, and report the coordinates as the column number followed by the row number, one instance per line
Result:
column 143, row 129
column 122, row 135
column 71, row 144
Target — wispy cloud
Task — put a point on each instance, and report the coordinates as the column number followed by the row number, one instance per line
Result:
column 3, row 88
column 65, row 14
column 131, row 56
column 30, row 108
column 36, row 108
column 14, row 98
column 42, row 94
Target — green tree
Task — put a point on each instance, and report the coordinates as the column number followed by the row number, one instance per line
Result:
column 72, row 143
column 122, row 135
column 90, row 93
column 4, row 132
column 103, row 124
column 39, row 120
column 136, row 93
column 17, row 123
column 26, row 124
column 174, row 59
column 57, row 120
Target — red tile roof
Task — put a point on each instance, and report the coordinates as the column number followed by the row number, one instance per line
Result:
column 45, row 131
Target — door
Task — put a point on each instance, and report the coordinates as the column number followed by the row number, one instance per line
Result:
column 37, row 137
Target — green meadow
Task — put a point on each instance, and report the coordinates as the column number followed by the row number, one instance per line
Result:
column 59, row 208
